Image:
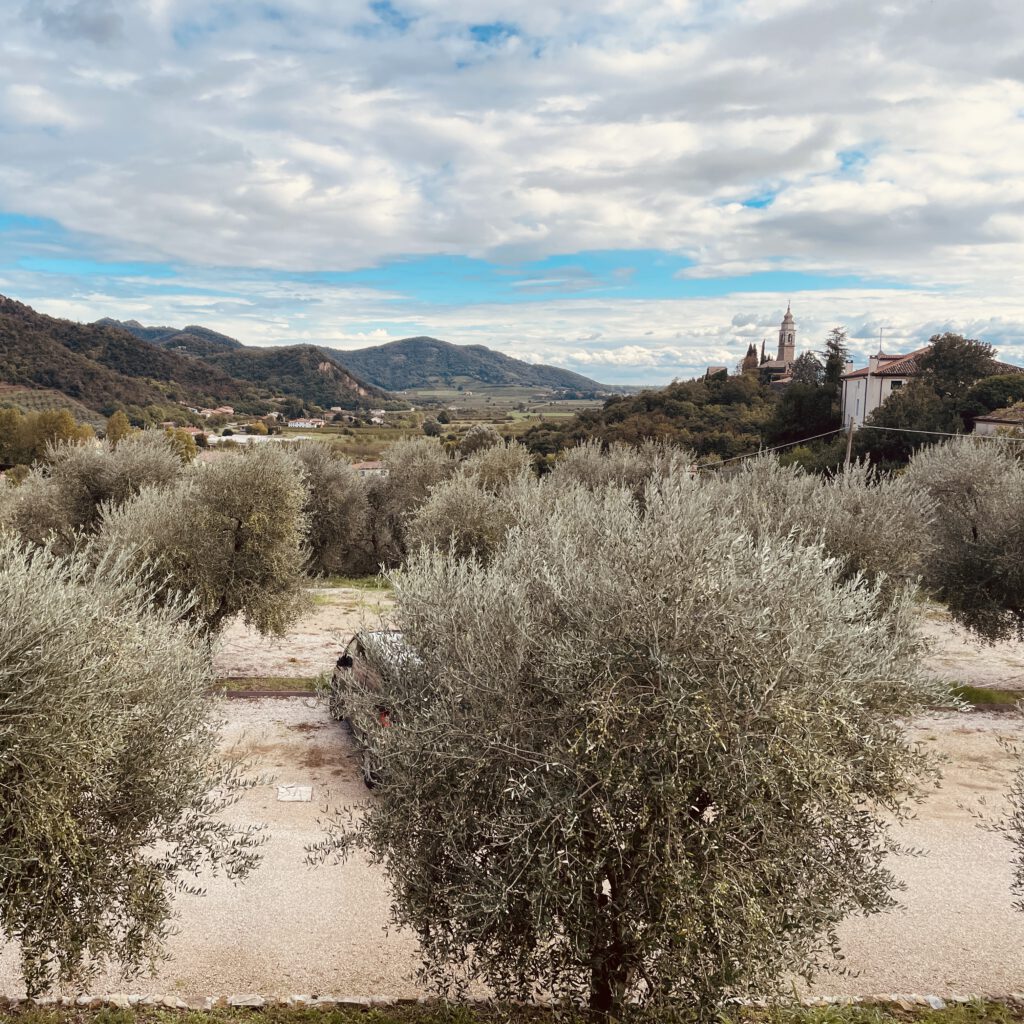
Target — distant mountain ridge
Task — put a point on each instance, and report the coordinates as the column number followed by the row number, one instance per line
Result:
column 311, row 371
column 114, row 364
column 424, row 362
column 419, row 362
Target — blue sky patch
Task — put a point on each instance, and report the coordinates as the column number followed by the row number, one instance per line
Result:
column 494, row 32
column 42, row 250
column 390, row 15
column 761, row 200
column 852, row 161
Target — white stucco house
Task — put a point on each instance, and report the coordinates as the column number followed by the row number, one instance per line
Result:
column 864, row 390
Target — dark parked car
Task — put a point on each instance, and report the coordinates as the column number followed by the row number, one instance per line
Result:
column 363, row 677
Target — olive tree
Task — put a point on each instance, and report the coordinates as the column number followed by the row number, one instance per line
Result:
column 64, row 495
column 472, row 511
column 498, row 467
column 411, row 468
column 976, row 560
column 478, row 437
column 640, row 756
column 595, row 465
column 111, row 791
column 874, row 523
column 337, row 509
column 231, row 536
column 463, row 516
column 36, row 511
column 91, row 476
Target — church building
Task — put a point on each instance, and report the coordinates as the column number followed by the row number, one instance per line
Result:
column 774, row 371
column 777, row 370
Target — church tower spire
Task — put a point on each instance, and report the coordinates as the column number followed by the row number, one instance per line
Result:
column 787, row 337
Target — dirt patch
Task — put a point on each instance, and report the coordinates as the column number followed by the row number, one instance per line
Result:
column 962, row 658
column 311, row 647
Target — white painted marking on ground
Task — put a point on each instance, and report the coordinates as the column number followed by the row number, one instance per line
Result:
column 295, row 793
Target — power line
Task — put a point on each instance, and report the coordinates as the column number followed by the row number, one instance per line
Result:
column 863, row 426
column 940, row 433
column 765, row 451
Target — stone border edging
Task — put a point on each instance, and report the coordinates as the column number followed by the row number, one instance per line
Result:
column 254, row 1001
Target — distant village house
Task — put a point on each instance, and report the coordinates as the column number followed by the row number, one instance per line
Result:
column 1001, row 421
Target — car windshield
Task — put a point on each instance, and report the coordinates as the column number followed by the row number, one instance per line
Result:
column 388, row 648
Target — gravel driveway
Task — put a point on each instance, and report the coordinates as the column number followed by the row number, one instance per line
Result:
column 293, row 929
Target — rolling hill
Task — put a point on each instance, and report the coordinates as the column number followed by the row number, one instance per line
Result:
column 193, row 339
column 308, row 372
column 429, row 362
column 112, row 364
column 106, row 368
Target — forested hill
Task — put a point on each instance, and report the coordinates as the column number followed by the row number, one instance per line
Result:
column 106, row 368
column 307, row 371
column 723, row 416
column 193, row 339
column 310, row 373
column 429, row 362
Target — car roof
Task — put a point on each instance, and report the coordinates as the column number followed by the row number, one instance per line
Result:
column 388, row 644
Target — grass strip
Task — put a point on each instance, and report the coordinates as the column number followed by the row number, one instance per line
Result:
column 969, row 1013
column 376, row 582
column 991, row 1012
column 237, row 684
column 986, row 697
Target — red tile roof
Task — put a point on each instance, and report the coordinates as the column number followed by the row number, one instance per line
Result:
column 892, row 366
column 909, row 366
column 1014, row 414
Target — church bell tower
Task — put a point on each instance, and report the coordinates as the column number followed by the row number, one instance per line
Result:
column 787, row 338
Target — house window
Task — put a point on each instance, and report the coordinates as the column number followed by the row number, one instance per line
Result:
column 858, row 407
column 896, row 385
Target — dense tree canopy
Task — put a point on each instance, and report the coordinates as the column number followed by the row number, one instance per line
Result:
column 723, row 417
column 643, row 756
column 26, row 437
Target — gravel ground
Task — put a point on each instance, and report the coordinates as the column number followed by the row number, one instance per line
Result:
column 295, row 929
column 289, row 929
column 957, row 932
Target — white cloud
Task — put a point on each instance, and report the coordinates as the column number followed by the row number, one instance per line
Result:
column 36, row 107
column 326, row 138
column 217, row 136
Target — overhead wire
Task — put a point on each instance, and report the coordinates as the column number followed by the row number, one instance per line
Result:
column 863, row 426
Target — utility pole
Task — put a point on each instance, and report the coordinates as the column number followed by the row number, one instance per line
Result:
column 849, row 442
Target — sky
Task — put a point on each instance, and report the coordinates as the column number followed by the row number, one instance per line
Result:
column 632, row 189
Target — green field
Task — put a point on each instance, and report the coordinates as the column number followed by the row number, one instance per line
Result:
column 499, row 399
column 511, row 410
